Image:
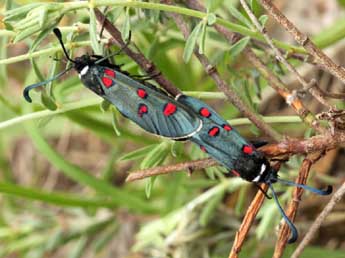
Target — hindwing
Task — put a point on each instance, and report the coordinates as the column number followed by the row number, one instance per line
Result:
column 222, row 142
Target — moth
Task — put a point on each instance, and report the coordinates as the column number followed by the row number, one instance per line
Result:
column 179, row 118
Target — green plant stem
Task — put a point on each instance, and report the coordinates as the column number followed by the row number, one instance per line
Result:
column 5, row 33
column 337, row 33
column 49, row 51
column 45, row 113
column 60, row 199
column 97, row 101
column 324, row 39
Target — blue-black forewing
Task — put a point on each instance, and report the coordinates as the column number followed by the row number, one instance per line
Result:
column 151, row 109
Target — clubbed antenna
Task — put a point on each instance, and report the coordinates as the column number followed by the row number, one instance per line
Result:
column 294, row 233
column 306, row 187
column 30, row 87
column 57, row 33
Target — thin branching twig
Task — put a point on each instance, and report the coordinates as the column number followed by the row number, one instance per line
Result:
column 247, row 222
column 337, row 196
column 138, row 57
column 320, row 57
column 311, row 86
column 222, row 85
column 290, row 98
column 283, row 234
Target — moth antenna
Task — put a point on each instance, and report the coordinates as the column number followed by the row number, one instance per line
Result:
column 306, row 187
column 30, row 87
column 58, row 34
column 294, row 233
column 117, row 52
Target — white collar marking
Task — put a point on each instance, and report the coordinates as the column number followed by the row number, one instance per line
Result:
column 84, row 71
column 256, row 179
column 263, row 168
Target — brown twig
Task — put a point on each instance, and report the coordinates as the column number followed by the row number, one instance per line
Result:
column 290, row 98
column 222, row 85
column 247, row 222
column 311, row 86
column 195, row 4
column 288, row 147
column 337, row 196
column 138, row 57
column 304, row 41
column 296, row 197
column 161, row 170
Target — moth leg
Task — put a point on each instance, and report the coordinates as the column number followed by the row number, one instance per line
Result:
column 258, row 143
column 263, row 191
column 144, row 78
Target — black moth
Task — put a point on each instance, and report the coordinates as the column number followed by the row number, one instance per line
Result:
column 179, row 118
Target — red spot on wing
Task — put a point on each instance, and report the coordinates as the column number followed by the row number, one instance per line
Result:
column 107, row 82
column 227, row 127
column 204, row 112
column 169, row 109
column 214, row 131
column 142, row 110
column 203, row 148
column 247, row 149
column 235, row 172
column 142, row 93
column 110, row 73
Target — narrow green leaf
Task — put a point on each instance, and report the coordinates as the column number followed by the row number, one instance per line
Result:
column 114, row 114
column 79, row 248
column 202, row 38
column 105, row 105
column 238, row 47
column 42, row 16
column 211, row 19
column 256, row 7
column 191, row 42
column 212, row 5
column 36, row 69
column 239, row 16
column 105, row 237
column 210, row 208
column 95, row 43
column 126, row 26
column 139, row 153
column 149, row 186
column 20, row 11
column 263, row 19
column 156, row 156
column 48, row 101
